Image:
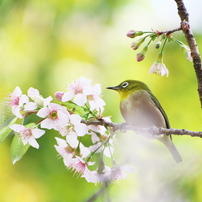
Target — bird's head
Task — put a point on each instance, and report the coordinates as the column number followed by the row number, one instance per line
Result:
column 128, row 87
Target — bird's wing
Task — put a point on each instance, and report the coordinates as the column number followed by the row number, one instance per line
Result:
column 158, row 105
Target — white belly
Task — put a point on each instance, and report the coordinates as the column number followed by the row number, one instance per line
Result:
column 139, row 110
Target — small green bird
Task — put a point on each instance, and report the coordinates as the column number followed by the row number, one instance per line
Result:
column 140, row 108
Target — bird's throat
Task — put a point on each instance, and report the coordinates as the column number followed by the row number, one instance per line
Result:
column 124, row 95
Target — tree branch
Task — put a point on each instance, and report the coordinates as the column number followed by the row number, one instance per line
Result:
column 184, row 16
column 169, row 31
column 153, row 130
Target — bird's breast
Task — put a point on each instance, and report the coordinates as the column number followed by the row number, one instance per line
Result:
column 139, row 110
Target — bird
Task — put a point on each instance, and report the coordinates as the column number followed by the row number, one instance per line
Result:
column 140, row 108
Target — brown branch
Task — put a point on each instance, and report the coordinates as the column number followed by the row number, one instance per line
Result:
column 153, row 130
column 169, row 32
column 184, row 16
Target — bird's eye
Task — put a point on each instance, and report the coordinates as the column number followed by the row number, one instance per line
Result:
column 125, row 84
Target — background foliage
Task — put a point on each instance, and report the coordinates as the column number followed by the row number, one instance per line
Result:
column 47, row 44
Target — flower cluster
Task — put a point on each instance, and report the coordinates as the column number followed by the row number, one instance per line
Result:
column 163, row 37
column 84, row 148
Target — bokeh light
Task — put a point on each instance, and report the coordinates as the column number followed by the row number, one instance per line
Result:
column 47, row 44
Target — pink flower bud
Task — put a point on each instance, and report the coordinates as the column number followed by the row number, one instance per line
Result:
column 140, row 57
column 130, row 34
column 133, row 34
column 137, row 44
column 134, row 46
column 58, row 95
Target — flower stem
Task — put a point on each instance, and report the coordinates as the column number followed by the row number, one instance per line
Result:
column 103, row 143
column 161, row 52
column 90, row 111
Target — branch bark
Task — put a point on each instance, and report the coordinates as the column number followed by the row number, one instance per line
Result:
column 153, row 130
column 184, row 16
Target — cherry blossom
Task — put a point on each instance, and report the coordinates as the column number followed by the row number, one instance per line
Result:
column 76, row 125
column 108, row 174
column 95, row 130
column 80, row 166
column 98, row 136
column 69, row 147
column 72, row 153
column 63, row 148
column 78, row 91
column 99, row 147
column 55, row 116
column 86, row 103
column 17, row 101
column 159, row 68
column 81, row 91
column 28, row 135
column 95, row 100
column 38, row 99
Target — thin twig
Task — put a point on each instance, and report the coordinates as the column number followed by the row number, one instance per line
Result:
column 169, row 32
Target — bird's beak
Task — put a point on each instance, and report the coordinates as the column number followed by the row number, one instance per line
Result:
column 114, row 88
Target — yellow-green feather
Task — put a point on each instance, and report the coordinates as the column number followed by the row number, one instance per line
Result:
column 132, row 107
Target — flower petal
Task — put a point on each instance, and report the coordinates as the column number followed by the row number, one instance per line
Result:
column 23, row 99
column 30, row 106
column 43, row 112
column 16, row 111
column 47, row 123
column 72, row 140
column 37, row 133
column 32, row 93
column 17, row 92
column 47, row 101
column 17, row 127
column 81, row 129
column 33, row 142
column 80, row 99
column 75, row 119
column 67, row 96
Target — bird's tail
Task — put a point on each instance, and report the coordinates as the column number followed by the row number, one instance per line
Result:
column 166, row 140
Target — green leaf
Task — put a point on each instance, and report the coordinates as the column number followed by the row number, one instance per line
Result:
column 5, row 131
column 30, row 125
column 18, row 149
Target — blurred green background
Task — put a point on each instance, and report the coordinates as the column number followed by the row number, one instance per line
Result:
column 46, row 44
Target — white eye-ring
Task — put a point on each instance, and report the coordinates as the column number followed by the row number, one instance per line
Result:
column 125, row 84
